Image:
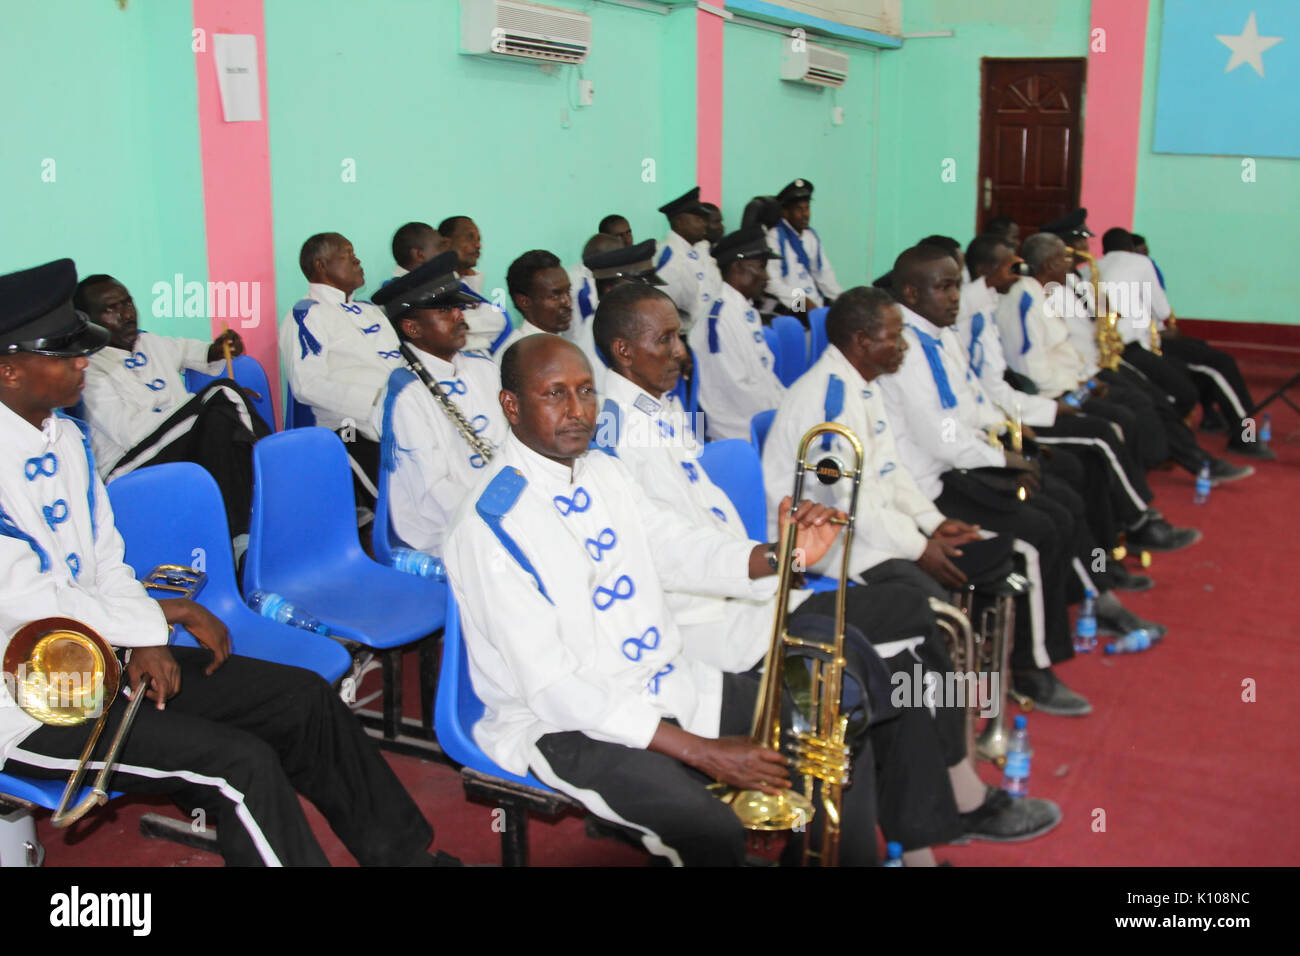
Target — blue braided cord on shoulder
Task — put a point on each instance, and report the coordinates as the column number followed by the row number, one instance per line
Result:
column 398, row 379
column 976, row 330
column 1026, row 303
column 305, row 338
column 792, row 237
column 714, row 346
column 84, row 429
column 9, row 528
column 833, row 407
column 665, row 254
column 930, row 345
column 494, row 504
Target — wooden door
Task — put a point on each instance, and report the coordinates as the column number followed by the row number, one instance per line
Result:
column 1030, row 145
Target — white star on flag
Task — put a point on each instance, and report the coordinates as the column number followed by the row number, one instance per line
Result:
column 1247, row 47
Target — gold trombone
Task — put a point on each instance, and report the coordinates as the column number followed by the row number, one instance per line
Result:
column 820, row 754
column 63, row 673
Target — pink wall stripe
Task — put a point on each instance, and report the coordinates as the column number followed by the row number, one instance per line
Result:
column 237, row 183
column 1114, row 113
column 708, row 102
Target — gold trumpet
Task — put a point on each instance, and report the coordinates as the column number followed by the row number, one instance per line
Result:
column 820, row 754
column 63, row 673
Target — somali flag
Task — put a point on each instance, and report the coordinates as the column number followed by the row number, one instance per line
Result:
column 1229, row 76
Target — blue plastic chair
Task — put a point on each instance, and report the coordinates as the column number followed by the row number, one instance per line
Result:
column 382, row 536
column 248, row 373
column 173, row 514
column 817, row 330
column 734, row 466
column 794, row 348
column 759, row 426
column 774, row 343
column 303, row 545
column 296, row 414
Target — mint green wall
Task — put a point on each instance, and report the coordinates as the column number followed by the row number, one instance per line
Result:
column 434, row 133
column 110, row 97
column 930, row 108
column 1224, row 245
column 774, row 132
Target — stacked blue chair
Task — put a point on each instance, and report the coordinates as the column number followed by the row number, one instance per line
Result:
column 817, row 334
column 296, row 414
column 458, row 710
column 794, row 348
column 250, row 375
column 759, row 426
column 303, row 545
column 173, row 514
column 774, row 344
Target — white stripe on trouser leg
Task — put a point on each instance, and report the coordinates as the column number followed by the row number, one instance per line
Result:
column 362, row 477
column 1037, row 618
column 1115, row 466
column 594, row 802
column 1082, row 572
column 223, row 787
column 1222, row 385
column 148, row 454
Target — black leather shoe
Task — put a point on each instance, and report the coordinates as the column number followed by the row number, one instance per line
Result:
column 1048, row 693
column 1224, row 471
column 1252, row 449
column 1118, row 620
column 1157, row 534
column 1123, row 579
column 1002, row 818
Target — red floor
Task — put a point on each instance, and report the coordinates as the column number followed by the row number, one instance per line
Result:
column 1173, row 768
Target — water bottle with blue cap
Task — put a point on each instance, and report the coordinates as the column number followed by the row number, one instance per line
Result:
column 410, row 561
column 276, row 608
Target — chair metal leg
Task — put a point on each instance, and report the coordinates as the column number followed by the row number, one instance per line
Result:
column 159, row 827
column 430, row 661
column 392, row 697
column 514, row 838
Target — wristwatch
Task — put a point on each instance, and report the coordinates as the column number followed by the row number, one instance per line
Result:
column 770, row 554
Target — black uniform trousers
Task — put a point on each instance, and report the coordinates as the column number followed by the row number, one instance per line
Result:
column 215, row 429
column 237, row 744
column 1218, row 380
column 1048, row 529
column 1143, row 392
column 1107, row 463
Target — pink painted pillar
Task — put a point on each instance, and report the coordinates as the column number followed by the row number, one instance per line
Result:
column 708, row 102
column 1114, row 112
column 237, row 184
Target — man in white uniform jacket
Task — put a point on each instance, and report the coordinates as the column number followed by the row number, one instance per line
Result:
column 559, row 563
column 684, row 261
column 338, row 352
column 433, row 462
column 140, row 412
column 540, row 289
column 800, row 278
column 737, row 370
column 238, row 736
column 643, row 425
column 489, row 323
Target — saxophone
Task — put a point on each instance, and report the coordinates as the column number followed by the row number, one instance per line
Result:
column 1110, row 345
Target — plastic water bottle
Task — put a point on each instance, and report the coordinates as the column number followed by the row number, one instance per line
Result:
column 893, row 854
column 1015, row 775
column 1085, row 628
column 417, row 562
column 1266, row 430
column 273, row 606
column 1080, row 395
column 1131, row 643
column 1202, row 484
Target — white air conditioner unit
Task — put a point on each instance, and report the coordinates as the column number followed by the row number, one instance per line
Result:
column 524, row 31
column 810, row 63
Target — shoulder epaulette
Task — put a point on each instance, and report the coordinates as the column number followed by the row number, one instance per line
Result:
column 305, row 338
column 833, row 406
column 609, row 428
column 714, row 312
column 495, row 502
column 665, row 254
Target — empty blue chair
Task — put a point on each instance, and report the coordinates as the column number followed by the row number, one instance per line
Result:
column 794, row 348
column 303, row 544
column 759, row 426
column 296, row 414
column 817, row 333
column 248, row 373
column 734, row 466
column 774, row 344
column 173, row 514
column 458, row 709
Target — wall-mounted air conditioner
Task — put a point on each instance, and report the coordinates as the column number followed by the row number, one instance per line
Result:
column 524, row 31
column 804, row 62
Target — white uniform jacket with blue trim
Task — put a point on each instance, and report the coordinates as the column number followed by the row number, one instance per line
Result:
column 434, row 468
column 1132, row 287
column 337, row 354
column 653, row 437
column 129, row 394
column 736, row 368
column 1036, row 340
column 939, row 411
column 788, row 274
column 60, row 555
column 894, row 516
column 488, row 323
column 560, row 575
column 691, row 277
column 977, row 331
